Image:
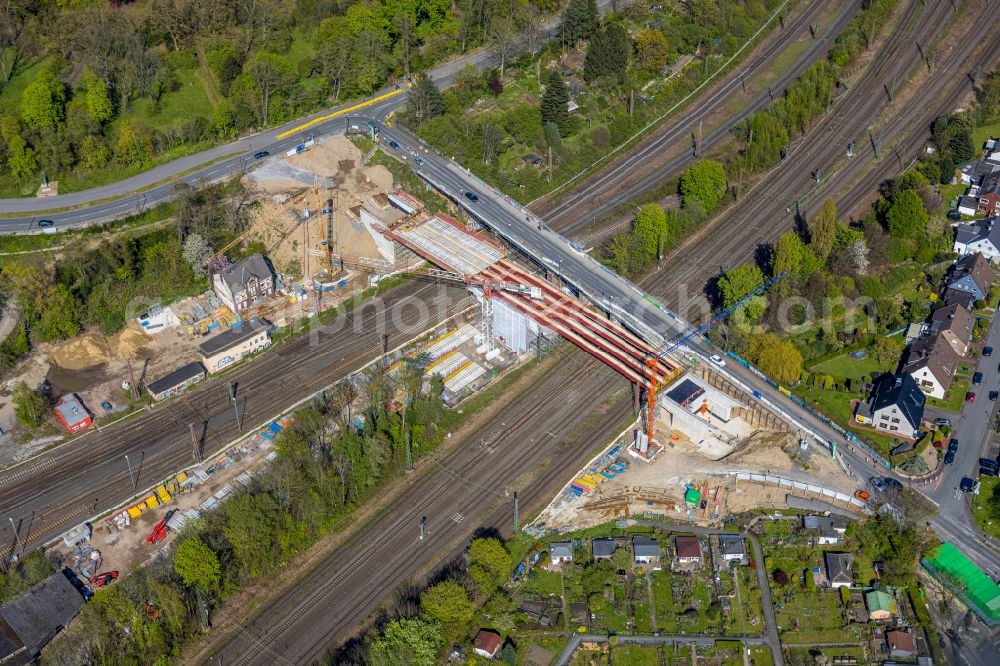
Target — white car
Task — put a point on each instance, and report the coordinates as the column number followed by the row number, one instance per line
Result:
column 718, row 360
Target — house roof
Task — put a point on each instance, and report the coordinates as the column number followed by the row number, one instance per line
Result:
column 603, row 547
column 838, row 567
column 990, row 184
column 975, row 265
column 899, row 390
column 901, row 640
column 488, row 641
column 935, row 354
column 877, row 600
column 38, row 614
column 178, row 376
column 824, row 523
column 71, row 409
column 685, row 393
column 964, row 298
column 687, row 546
column 237, row 275
column 731, row 544
column 242, row 332
column 644, row 546
column 561, row 549
column 977, row 169
column 953, row 318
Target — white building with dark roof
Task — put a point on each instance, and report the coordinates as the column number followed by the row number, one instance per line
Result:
column 246, row 283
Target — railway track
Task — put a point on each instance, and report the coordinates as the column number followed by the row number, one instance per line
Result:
column 446, row 490
column 616, row 185
column 52, row 492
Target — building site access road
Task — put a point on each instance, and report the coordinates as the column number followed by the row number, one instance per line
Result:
column 63, row 487
column 622, row 181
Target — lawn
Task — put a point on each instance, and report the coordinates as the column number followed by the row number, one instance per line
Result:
column 760, row 655
column 847, row 367
column 666, row 617
column 818, row 615
column 542, row 583
column 954, row 398
column 190, row 100
column 10, row 94
column 807, row 655
column 981, row 134
column 980, row 508
column 837, row 406
column 638, row 655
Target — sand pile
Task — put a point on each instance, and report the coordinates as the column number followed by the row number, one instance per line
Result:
column 128, row 342
column 380, row 177
column 85, row 351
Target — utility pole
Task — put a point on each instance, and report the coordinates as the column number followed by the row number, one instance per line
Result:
column 17, row 540
column 196, row 449
column 699, row 135
column 232, row 398
column 517, row 515
column 131, row 378
column 409, row 451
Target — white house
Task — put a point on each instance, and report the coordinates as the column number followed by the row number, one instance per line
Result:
column 896, row 406
column 561, row 551
column 982, row 236
column 932, row 363
column 245, row 284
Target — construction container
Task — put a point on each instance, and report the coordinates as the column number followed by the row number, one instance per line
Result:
column 135, row 511
column 151, row 502
column 162, row 494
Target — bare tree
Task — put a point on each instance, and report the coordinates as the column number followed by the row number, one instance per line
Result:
column 13, row 39
column 529, row 22
column 405, row 33
column 507, row 42
column 335, row 62
column 491, row 136
column 175, row 18
column 260, row 19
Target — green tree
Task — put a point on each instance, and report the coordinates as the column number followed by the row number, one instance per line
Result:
column 993, row 503
column 22, row 162
column 651, row 230
column 884, row 351
column 197, row 565
column 223, row 119
column 705, row 182
column 906, row 216
column 739, row 282
column 414, row 642
column 554, row 103
column 448, row 604
column 98, row 97
column 134, row 146
column 271, row 75
column 579, row 21
column 29, row 405
column 607, row 54
column 787, row 257
column 59, row 318
column 777, row 358
column 489, row 563
column 43, row 102
column 424, row 100
column 651, row 49
column 823, row 229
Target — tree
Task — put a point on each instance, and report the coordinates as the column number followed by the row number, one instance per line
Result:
column 651, row 230
column 29, row 405
column 779, row 576
column 98, row 97
column 736, row 284
column 424, row 100
column 489, row 563
column 555, row 103
column 43, row 102
column 491, row 135
column 884, row 351
column 507, row 43
column 823, row 229
column 134, row 146
column 414, row 642
column 579, row 21
column 777, row 358
column 906, row 216
column 405, row 36
column 607, row 54
column 704, row 182
column 22, row 162
column 993, row 503
column 651, row 49
column 59, row 316
column 448, row 604
column 271, row 74
column 787, row 255
column 197, row 565
column 196, row 253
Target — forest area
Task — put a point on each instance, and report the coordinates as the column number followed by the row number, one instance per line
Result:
column 326, row 467
column 92, row 91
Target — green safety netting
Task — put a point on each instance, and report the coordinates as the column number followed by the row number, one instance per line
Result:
column 977, row 587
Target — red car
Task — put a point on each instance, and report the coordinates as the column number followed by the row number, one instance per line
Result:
column 106, row 578
column 970, row 396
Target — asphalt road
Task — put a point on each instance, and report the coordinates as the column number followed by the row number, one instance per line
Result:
column 61, row 488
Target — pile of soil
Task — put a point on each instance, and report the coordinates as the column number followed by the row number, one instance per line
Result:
column 85, row 351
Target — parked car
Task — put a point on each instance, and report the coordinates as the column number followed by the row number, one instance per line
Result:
column 987, row 351
column 970, row 397
column 977, row 378
column 862, row 495
column 101, row 580
column 949, row 458
column 967, row 485
column 877, row 483
column 994, row 395
column 953, row 444
column 941, row 422
column 892, row 483
column 988, row 462
column 471, row 196
column 989, row 471
column 718, row 360
column 107, row 406
column 45, row 223
column 261, row 155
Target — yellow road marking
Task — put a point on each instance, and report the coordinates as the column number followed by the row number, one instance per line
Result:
column 339, row 113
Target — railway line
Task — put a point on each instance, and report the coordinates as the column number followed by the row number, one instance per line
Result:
column 616, row 185
column 52, row 492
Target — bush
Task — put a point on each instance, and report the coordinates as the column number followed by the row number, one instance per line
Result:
column 779, row 577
